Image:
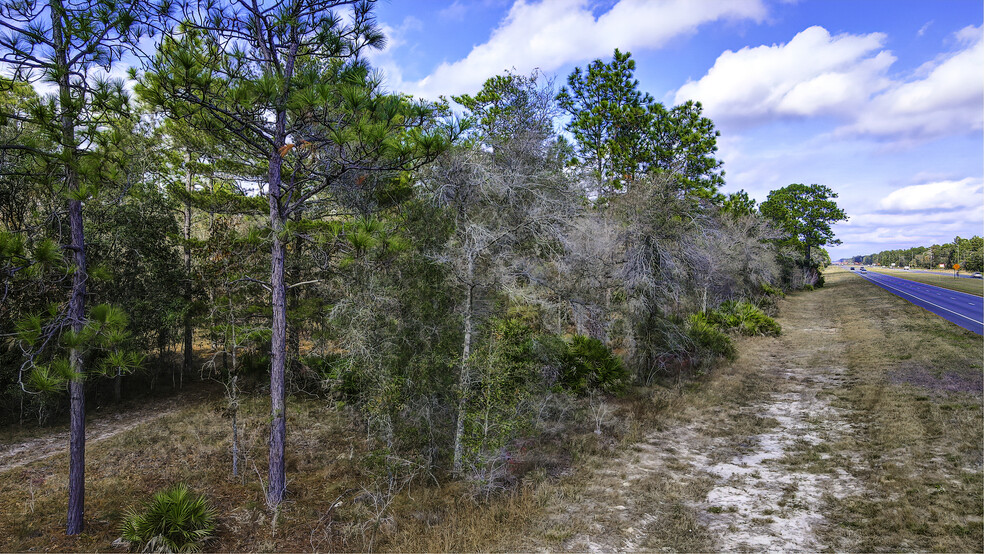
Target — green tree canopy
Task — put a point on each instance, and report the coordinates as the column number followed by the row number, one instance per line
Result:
column 804, row 213
column 609, row 117
column 622, row 133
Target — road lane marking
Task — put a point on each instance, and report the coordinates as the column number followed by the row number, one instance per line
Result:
column 931, row 304
column 916, row 285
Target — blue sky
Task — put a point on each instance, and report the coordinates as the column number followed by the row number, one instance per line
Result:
column 881, row 100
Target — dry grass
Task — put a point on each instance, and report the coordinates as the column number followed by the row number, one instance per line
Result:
column 945, row 280
column 904, row 466
column 335, row 500
column 919, row 437
column 192, row 447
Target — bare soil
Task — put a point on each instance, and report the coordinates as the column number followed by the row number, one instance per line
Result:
column 753, row 473
column 16, row 453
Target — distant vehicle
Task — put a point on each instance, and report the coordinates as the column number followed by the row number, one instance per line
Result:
column 852, row 268
column 863, row 270
column 906, row 268
column 978, row 275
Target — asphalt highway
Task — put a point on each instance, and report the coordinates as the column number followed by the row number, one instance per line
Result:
column 964, row 275
column 966, row 310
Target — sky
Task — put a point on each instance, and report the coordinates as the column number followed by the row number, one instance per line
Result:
column 880, row 100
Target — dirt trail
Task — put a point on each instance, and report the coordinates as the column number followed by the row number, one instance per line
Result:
column 737, row 476
column 17, row 453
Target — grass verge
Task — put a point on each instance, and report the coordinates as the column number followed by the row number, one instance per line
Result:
column 914, row 399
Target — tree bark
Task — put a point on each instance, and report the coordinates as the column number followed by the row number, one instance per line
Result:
column 293, row 300
column 76, row 387
column 76, row 304
column 464, row 378
column 235, row 427
column 278, row 341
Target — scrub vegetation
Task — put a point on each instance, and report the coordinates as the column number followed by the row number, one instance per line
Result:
column 297, row 311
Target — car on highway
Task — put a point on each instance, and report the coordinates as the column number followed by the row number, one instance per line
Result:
column 852, row 268
column 978, row 275
column 863, row 270
column 906, row 268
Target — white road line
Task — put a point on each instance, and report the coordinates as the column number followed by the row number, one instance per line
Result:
column 916, row 285
column 931, row 304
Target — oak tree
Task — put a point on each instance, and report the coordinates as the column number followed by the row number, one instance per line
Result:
column 804, row 213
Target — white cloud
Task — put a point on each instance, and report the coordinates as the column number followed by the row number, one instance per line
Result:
column 948, row 100
column 813, row 74
column 938, row 196
column 395, row 38
column 455, row 12
column 847, row 76
column 551, row 33
column 866, row 233
column 968, row 35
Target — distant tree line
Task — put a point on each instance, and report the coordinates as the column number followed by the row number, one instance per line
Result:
column 967, row 253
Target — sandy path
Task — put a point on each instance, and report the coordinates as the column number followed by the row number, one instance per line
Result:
column 708, row 483
column 14, row 454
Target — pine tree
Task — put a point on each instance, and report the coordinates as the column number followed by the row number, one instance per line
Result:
column 287, row 82
column 67, row 44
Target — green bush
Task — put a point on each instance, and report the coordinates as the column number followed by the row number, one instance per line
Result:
column 590, row 365
column 576, row 364
column 708, row 337
column 744, row 318
column 175, row 520
column 342, row 377
column 769, row 290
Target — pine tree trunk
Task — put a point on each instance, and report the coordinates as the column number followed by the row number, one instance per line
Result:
column 235, row 427
column 76, row 387
column 233, row 389
column 76, row 304
column 278, row 342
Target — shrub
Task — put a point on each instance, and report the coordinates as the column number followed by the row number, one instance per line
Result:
column 576, row 364
column 339, row 375
column 590, row 365
column 175, row 520
column 744, row 318
column 769, row 290
column 708, row 337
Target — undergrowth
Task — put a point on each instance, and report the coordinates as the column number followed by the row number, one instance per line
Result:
column 175, row 520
